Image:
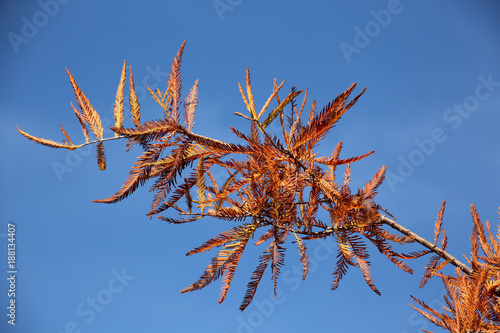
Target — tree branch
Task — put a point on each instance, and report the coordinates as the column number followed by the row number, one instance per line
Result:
column 445, row 255
column 385, row 220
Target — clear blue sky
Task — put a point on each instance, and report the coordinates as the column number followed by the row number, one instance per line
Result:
column 431, row 113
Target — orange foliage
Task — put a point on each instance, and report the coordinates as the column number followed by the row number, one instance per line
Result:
column 276, row 187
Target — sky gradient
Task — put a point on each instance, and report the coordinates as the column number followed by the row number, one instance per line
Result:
column 430, row 112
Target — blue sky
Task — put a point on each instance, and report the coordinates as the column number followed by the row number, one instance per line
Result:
column 431, row 113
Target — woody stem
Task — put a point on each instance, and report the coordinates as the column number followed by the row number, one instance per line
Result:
column 445, row 255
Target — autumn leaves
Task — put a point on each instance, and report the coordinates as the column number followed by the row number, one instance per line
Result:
column 276, row 190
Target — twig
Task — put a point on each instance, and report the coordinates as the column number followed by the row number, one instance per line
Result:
column 445, row 255
column 102, row 140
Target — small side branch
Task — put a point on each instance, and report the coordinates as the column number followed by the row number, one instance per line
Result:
column 445, row 255
column 102, row 140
